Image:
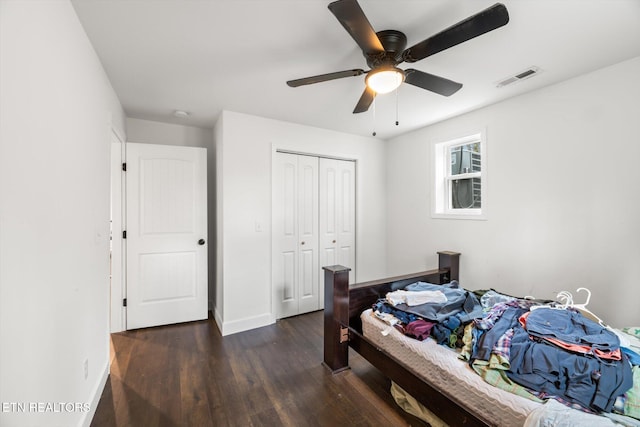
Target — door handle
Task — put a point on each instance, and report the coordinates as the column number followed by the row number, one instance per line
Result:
column 201, row 242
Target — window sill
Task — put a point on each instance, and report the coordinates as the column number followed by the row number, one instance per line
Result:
column 470, row 216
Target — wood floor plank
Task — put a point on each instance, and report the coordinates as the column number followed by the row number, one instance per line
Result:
column 189, row 375
column 194, row 407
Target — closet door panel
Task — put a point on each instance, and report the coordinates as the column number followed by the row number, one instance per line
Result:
column 346, row 212
column 288, row 261
column 308, row 283
column 308, row 233
column 328, row 218
column 285, row 273
column 337, row 216
column 328, row 213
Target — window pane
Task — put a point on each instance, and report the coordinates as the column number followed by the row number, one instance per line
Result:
column 466, row 193
column 465, row 158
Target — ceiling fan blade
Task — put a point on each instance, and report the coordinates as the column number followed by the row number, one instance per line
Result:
column 427, row 81
column 482, row 22
column 324, row 77
column 365, row 100
column 353, row 19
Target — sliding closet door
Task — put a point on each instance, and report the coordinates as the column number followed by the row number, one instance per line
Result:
column 337, row 216
column 295, row 234
column 313, row 226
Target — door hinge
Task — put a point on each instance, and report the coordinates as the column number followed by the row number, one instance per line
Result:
column 124, row 167
column 124, row 302
column 124, row 234
column 344, row 335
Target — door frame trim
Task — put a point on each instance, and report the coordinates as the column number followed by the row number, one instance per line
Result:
column 320, row 156
column 118, row 314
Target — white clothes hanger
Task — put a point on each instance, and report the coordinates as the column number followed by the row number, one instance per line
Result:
column 582, row 308
column 563, row 298
column 588, row 297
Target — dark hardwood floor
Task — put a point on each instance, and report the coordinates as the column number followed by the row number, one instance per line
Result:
column 189, row 375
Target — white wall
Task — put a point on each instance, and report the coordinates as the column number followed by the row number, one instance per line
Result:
column 56, row 110
column 150, row 132
column 244, row 150
column 563, row 202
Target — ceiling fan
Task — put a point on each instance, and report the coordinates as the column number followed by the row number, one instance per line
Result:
column 385, row 50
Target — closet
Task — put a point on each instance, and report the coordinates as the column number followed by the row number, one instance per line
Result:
column 313, row 226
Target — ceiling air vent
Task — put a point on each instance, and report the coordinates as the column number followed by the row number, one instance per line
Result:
column 523, row 75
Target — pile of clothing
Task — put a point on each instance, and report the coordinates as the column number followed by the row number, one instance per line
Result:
column 440, row 311
column 529, row 347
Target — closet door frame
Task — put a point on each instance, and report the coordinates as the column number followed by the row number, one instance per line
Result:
column 274, row 248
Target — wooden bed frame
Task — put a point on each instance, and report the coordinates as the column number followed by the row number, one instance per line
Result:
column 343, row 305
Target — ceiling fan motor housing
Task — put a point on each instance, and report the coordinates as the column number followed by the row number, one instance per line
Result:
column 394, row 43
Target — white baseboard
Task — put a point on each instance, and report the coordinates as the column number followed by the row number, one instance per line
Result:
column 217, row 318
column 95, row 399
column 246, row 324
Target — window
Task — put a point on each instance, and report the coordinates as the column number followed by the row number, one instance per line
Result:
column 460, row 178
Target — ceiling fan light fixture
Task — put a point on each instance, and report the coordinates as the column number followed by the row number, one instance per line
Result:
column 385, row 80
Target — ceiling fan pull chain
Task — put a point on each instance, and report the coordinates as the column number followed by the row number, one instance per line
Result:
column 374, row 117
column 397, row 122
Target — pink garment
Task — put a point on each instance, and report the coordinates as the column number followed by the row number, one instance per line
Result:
column 419, row 329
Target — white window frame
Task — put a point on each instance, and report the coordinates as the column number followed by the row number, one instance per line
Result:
column 441, row 205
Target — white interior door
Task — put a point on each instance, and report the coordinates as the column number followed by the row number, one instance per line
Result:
column 295, row 234
column 166, row 234
column 337, row 217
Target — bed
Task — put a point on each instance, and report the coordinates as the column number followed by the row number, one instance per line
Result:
column 449, row 389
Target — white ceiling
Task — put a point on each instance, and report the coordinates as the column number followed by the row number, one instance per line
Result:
column 203, row 56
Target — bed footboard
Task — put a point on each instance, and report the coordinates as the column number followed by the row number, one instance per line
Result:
column 343, row 303
column 343, row 329
column 336, row 318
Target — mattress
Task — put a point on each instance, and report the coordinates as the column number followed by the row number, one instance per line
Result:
column 441, row 367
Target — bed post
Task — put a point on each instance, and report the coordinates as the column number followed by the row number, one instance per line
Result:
column 336, row 314
column 451, row 261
